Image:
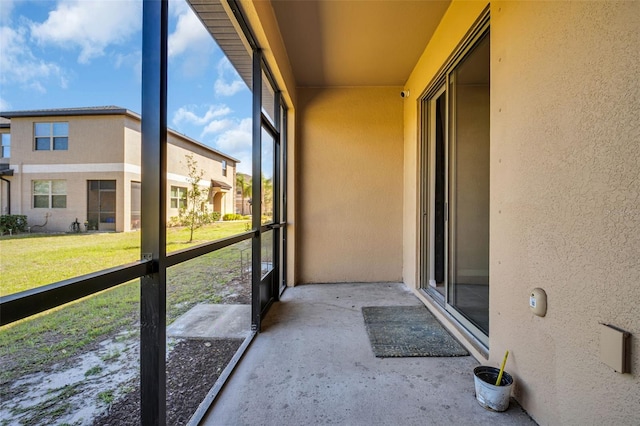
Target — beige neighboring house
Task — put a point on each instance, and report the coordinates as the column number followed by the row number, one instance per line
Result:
column 60, row 165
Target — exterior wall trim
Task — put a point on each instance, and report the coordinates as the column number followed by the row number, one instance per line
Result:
column 80, row 168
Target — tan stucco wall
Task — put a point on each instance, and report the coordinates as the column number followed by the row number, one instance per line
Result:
column 350, row 191
column 565, row 161
column 92, row 139
column 565, row 201
column 133, row 144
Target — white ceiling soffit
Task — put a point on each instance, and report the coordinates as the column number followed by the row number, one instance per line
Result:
column 356, row 42
column 215, row 15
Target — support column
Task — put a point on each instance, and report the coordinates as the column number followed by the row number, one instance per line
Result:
column 153, row 212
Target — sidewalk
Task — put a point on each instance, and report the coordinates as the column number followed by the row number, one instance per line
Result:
column 313, row 365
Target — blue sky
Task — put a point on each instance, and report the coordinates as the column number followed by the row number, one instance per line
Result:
column 80, row 53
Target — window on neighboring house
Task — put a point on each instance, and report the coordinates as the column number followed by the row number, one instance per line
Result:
column 51, row 136
column 178, row 197
column 224, row 167
column 50, row 194
column 5, row 149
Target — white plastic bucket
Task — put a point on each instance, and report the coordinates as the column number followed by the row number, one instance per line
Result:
column 489, row 395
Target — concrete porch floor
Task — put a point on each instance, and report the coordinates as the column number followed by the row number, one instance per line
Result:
column 313, row 364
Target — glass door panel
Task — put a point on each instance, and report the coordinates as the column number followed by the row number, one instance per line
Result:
column 135, row 205
column 438, row 281
column 468, row 291
column 269, row 232
column 266, row 180
column 107, row 210
column 93, row 204
column 469, row 188
column 281, row 215
column 455, row 224
column 101, row 205
column 266, row 253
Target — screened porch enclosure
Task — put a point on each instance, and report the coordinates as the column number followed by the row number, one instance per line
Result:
column 237, row 276
column 446, row 154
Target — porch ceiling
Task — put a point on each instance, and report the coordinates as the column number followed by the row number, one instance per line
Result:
column 355, row 42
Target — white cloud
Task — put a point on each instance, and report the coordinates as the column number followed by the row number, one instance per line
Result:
column 18, row 64
column 177, row 7
column 5, row 11
column 236, row 139
column 190, row 35
column 190, row 45
column 90, row 25
column 227, row 72
column 186, row 114
column 216, row 126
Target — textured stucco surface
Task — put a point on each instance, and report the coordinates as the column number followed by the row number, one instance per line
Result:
column 565, row 197
column 350, row 187
column 92, row 141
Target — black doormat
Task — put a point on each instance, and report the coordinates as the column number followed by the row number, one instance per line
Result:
column 408, row 331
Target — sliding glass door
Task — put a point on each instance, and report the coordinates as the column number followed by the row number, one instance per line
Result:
column 455, row 195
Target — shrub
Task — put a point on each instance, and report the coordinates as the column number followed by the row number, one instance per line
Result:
column 174, row 221
column 232, row 216
column 15, row 222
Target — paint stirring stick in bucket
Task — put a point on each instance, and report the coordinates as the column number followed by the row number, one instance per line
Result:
column 504, row 362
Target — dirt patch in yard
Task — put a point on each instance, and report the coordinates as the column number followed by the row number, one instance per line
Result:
column 193, row 366
column 97, row 382
column 192, row 370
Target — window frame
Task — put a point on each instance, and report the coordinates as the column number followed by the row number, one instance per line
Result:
column 51, row 136
column 5, row 147
column 52, row 194
column 180, row 201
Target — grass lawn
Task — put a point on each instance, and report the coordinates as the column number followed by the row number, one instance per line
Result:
column 36, row 343
column 28, row 261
